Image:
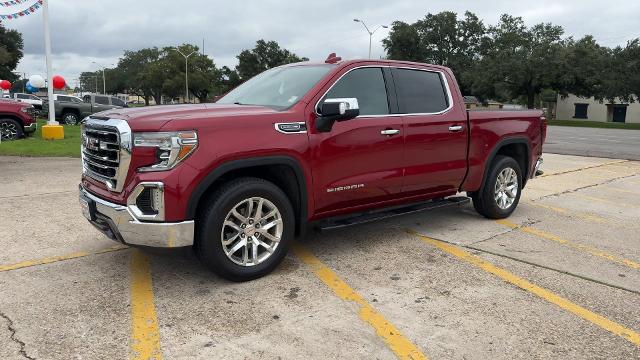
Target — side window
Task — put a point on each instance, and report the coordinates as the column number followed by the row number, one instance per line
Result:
column 102, row 100
column 63, row 98
column 581, row 111
column 420, row 91
column 32, row 97
column 23, row 96
column 366, row 85
column 117, row 102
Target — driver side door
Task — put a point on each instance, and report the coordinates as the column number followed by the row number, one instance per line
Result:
column 359, row 162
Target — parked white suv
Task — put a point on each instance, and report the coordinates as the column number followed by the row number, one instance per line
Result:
column 29, row 99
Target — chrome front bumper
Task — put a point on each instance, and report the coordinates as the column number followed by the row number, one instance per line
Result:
column 119, row 224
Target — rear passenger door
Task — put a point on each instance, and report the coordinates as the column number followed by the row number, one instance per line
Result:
column 101, row 103
column 435, row 131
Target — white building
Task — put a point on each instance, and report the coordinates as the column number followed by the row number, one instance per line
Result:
column 577, row 108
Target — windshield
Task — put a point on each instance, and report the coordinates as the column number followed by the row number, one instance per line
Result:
column 280, row 87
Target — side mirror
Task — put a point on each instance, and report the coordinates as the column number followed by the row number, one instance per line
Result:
column 333, row 110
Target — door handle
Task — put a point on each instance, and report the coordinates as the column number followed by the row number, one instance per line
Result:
column 389, row 132
column 455, row 128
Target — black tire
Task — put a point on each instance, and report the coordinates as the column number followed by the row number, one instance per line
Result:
column 70, row 118
column 484, row 200
column 10, row 129
column 209, row 227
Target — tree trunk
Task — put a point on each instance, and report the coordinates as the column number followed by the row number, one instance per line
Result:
column 531, row 98
column 146, row 100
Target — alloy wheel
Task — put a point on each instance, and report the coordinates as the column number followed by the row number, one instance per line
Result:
column 251, row 231
column 8, row 131
column 506, row 189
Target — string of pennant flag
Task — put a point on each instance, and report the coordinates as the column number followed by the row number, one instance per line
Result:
column 28, row 11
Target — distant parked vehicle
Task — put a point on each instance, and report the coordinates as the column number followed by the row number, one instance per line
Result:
column 29, row 99
column 16, row 119
column 70, row 110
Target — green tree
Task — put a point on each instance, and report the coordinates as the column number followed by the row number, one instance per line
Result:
column 519, row 61
column 143, row 74
column 440, row 39
column 11, row 46
column 203, row 74
column 584, row 69
column 265, row 55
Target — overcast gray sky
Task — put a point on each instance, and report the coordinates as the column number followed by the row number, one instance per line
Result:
column 100, row 30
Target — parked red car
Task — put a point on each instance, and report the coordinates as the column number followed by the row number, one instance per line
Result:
column 16, row 119
column 328, row 144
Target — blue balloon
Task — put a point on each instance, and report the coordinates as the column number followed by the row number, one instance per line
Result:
column 30, row 88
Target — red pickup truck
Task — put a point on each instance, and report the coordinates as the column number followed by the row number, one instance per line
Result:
column 16, row 119
column 325, row 144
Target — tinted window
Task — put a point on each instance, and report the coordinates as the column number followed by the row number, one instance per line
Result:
column 366, row 85
column 117, row 102
column 23, row 96
column 420, row 91
column 102, row 100
column 63, row 98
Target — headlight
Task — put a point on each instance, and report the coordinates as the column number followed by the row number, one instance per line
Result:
column 28, row 109
column 173, row 147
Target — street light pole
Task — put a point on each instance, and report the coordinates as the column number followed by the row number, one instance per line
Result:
column 370, row 32
column 104, row 81
column 186, row 73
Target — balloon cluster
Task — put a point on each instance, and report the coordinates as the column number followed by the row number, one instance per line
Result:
column 36, row 82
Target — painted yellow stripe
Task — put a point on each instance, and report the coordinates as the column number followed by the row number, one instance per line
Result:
column 582, row 215
column 545, row 294
column 605, row 201
column 584, row 168
column 400, row 345
column 581, row 247
column 52, row 259
column 145, row 334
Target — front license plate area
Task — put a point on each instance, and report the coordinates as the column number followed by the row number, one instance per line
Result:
column 88, row 208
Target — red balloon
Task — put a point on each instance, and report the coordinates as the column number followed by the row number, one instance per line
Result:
column 58, row 82
column 5, row 85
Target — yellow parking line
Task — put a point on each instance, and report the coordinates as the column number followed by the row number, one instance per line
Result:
column 52, row 259
column 543, row 293
column 625, row 191
column 400, row 345
column 145, row 335
column 581, row 247
column 584, row 168
column 579, row 214
column 593, row 198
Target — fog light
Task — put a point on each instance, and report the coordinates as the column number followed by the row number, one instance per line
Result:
column 146, row 202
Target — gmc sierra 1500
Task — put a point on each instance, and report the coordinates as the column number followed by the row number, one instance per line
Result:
column 330, row 144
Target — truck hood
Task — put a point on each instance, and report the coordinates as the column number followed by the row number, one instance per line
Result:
column 152, row 118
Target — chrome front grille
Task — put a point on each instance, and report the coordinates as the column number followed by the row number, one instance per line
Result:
column 106, row 151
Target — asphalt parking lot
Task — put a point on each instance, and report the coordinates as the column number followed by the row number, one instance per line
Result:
column 559, row 279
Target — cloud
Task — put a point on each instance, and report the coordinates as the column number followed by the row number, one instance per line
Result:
column 96, row 30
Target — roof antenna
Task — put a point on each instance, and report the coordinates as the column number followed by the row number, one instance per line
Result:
column 332, row 59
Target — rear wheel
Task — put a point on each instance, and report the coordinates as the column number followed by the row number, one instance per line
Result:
column 70, row 118
column 244, row 229
column 501, row 192
column 10, row 129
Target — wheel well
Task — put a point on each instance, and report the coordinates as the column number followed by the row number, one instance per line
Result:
column 12, row 117
column 68, row 110
column 520, row 153
column 283, row 176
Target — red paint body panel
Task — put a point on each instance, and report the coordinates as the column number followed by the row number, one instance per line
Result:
column 424, row 161
column 11, row 108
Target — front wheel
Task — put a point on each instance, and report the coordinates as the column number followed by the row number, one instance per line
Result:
column 70, row 118
column 244, row 229
column 501, row 192
column 10, row 129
